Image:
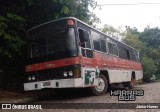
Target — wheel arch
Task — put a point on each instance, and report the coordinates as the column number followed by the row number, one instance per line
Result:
column 133, row 74
column 106, row 74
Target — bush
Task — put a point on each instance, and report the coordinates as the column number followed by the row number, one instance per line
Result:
column 149, row 68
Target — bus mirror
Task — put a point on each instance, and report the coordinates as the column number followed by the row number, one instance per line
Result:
column 85, row 37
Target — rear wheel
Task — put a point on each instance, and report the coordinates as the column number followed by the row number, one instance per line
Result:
column 102, row 86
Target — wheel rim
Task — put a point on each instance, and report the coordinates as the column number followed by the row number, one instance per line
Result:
column 101, row 85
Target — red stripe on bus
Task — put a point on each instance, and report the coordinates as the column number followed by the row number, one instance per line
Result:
column 52, row 64
column 100, row 61
column 111, row 62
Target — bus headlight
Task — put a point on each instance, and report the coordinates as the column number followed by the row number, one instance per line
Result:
column 29, row 78
column 65, row 74
column 70, row 73
column 33, row 78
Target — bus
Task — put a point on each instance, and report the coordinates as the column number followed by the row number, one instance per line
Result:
column 68, row 53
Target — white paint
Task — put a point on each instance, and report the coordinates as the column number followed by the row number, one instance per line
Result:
column 63, row 83
column 119, row 76
column 115, row 76
column 139, row 75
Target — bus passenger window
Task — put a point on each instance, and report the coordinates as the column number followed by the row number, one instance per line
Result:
column 122, row 53
column 113, row 49
column 80, row 32
column 96, row 41
column 96, row 44
column 128, row 54
column 85, row 45
column 103, row 45
column 110, row 47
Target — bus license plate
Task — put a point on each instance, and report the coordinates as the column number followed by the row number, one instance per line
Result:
column 46, row 84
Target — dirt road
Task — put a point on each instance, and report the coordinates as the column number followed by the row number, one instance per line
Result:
column 151, row 95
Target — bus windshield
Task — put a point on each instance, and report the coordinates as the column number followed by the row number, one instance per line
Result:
column 50, row 44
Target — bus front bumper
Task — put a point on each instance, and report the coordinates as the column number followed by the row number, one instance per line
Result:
column 60, row 83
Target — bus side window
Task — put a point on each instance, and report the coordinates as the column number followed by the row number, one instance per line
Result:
column 96, row 43
column 85, row 46
column 103, row 45
column 110, row 47
column 113, row 49
column 99, row 42
column 128, row 54
column 121, row 52
column 80, row 32
column 133, row 56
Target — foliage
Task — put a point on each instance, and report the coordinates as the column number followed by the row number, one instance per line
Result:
column 149, row 68
column 108, row 28
column 147, row 42
column 11, row 29
column 39, row 11
column 133, row 40
column 111, row 31
column 151, row 40
column 17, row 16
column 151, row 37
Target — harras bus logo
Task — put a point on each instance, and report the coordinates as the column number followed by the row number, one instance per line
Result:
column 6, row 106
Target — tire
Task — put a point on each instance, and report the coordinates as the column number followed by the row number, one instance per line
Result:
column 129, row 84
column 102, row 86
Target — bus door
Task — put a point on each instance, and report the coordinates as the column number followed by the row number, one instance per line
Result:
column 88, row 70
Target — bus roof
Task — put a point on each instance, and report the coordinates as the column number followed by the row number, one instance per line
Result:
column 82, row 23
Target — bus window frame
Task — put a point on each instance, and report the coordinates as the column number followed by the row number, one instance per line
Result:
column 106, row 44
column 114, row 43
column 79, row 43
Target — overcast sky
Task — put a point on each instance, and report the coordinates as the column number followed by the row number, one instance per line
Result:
column 138, row 16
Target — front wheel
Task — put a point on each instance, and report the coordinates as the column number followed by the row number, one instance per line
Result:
column 102, row 86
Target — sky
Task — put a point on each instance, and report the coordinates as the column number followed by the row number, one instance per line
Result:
column 138, row 16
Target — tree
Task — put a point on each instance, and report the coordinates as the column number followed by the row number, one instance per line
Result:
column 149, row 49
column 17, row 16
column 39, row 11
column 132, row 38
column 151, row 37
column 149, row 68
column 113, row 32
column 108, row 28
column 11, row 29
